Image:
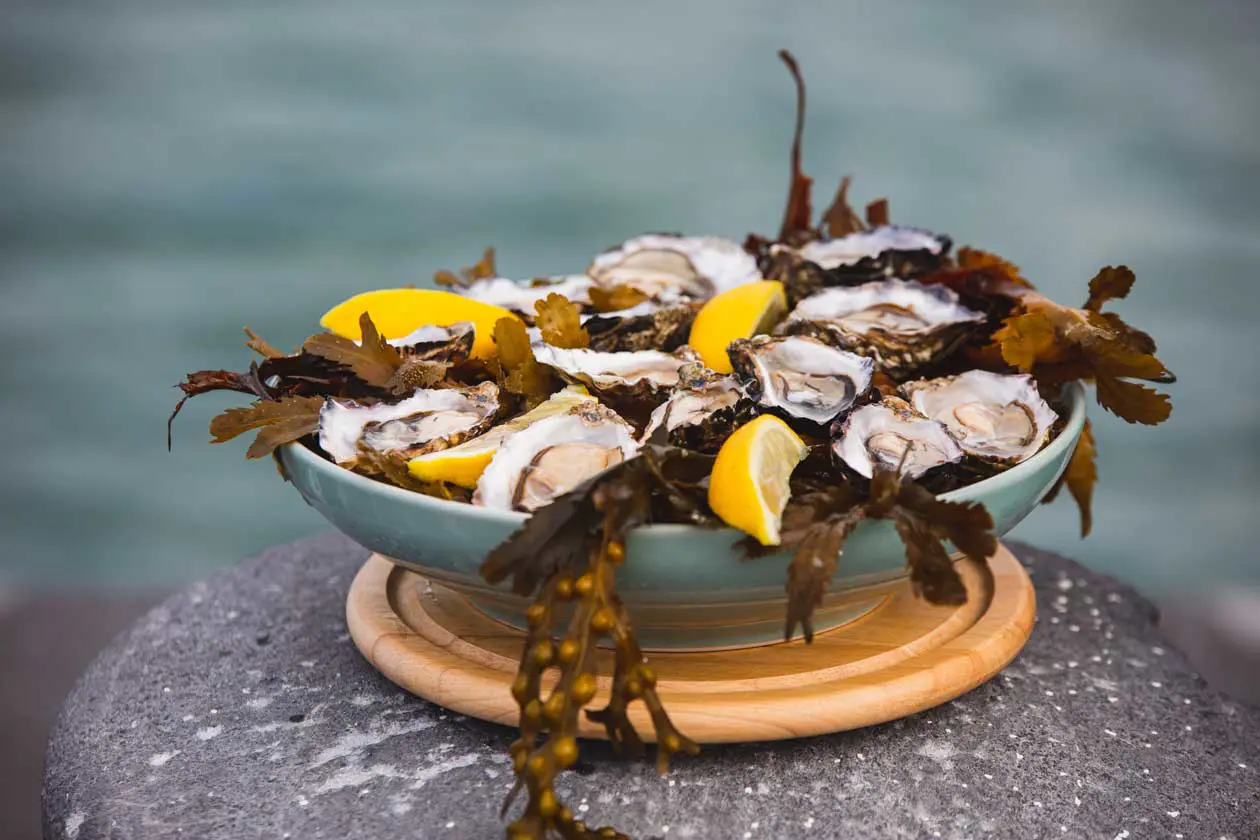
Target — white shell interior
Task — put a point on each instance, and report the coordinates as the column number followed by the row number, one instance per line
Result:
column 876, row 434
column 809, row 379
column 992, row 415
column 722, row 263
column 898, row 306
column 551, row 457
column 851, row 249
column 440, row 413
column 691, row 406
column 520, row 296
column 606, row 369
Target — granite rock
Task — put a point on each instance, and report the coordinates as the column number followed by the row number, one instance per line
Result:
column 240, row 708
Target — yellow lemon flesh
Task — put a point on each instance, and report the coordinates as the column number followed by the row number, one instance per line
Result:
column 465, row 463
column 400, row 312
column 749, row 485
column 741, row 312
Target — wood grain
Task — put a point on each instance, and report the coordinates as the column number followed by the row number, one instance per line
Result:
column 902, row 658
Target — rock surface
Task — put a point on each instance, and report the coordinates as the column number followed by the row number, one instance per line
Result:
column 241, row 709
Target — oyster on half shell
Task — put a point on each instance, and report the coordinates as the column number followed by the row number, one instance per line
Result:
column 521, row 296
column 428, row 420
column 893, row 435
column 801, row 377
column 552, row 456
column 668, row 267
column 640, row 371
column 902, row 324
column 886, row 251
column 998, row 418
column 702, row 411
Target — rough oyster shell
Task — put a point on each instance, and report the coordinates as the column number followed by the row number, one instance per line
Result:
column 552, row 456
column 998, row 418
column 648, row 326
column 886, row 251
column 668, row 267
column 520, row 296
column 602, row 372
column 702, row 410
column 425, row 421
column 801, row 377
column 893, row 435
column 902, row 324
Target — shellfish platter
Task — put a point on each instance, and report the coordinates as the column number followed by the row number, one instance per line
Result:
column 845, row 369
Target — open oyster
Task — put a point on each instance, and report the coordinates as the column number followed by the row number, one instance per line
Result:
column 648, row 326
column 552, row 456
column 641, row 370
column 668, row 267
column 801, row 377
column 902, row 324
column 886, row 251
column 425, row 421
column 891, row 434
column 521, row 296
column 701, row 412
column 998, row 418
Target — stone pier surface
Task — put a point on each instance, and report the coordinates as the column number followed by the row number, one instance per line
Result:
column 240, row 708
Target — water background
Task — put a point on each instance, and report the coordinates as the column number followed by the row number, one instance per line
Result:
column 171, row 170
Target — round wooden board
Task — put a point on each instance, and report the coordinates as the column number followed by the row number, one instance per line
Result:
column 901, row 658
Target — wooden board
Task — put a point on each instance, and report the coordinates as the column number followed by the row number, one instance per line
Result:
column 902, row 658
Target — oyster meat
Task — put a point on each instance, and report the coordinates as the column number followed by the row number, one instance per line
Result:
column 649, row 370
column 902, row 324
column 521, row 296
column 425, row 421
column 885, row 251
column 893, row 435
column 998, row 418
column 801, row 377
column 668, row 267
column 554, row 455
column 702, row 410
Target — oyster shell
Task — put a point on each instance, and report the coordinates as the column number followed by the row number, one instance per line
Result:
column 801, row 377
column 885, row 251
column 520, row 296
column 649, row 370
column 995, row 417
column 648, row 326
column 552, row 456
column 668, row 267
column 902, row 324
column 702, row 410
column 425, row 421
column 893, row 435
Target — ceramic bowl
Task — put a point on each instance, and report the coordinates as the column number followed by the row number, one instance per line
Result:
column 685, row 587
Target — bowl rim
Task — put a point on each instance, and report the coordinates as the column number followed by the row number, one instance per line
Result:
column 1073, row 393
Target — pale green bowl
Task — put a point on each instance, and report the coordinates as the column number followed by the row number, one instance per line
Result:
column 685, row 587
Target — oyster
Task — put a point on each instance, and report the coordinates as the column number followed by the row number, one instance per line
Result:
column 648, row 326
column 902, row 324
column 552, row 456
column 668, row 267
column 885, row 251
column 641, row 370
column 801, row 377
column 426, row 421
column 521, row 296
column 995, row 417
column 892, row 434
column 701, row 412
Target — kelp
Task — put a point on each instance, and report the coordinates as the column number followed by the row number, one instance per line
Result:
column 483, row 269
column 567, row 555
column 560, row 322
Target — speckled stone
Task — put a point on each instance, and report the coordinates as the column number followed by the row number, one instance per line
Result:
column 241, row 709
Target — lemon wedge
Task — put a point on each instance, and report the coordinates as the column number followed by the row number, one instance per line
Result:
column 741, row 312
column 465, row 463
column 749, row 485
column 400, row 312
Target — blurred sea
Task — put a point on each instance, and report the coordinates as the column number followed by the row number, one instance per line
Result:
column 173, row 170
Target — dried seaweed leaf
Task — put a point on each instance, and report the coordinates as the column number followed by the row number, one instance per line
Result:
column 797, row 217
column 520, row 372
column 616, row 298
column 840, row 219
column 973, row 259
column 481, row 270
column 1080, row 477
column 560, row 321
column 1111, row 283
column 373, row 359
column 261, row 346
column 877, row 213
column 281, row 421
